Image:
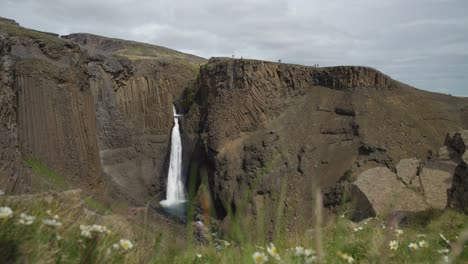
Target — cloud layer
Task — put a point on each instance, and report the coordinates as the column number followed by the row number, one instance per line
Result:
column 420, row 42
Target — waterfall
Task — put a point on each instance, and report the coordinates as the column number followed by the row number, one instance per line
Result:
column 175, row 192
column 175, row 187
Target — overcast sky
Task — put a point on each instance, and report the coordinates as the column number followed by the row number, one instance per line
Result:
column 420, row 42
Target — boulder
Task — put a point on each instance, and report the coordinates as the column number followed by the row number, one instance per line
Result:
column 380, row 193
column 436, row 178
column 407, row 171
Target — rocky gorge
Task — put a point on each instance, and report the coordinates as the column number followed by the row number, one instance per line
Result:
column 262, row 136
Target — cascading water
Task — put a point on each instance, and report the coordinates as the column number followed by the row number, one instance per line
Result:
column 176, row 199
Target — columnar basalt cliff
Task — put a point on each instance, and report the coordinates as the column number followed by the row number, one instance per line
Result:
column 97, row 119
column 270, row 133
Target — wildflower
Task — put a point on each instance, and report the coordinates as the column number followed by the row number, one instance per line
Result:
column 52, row 222
column 199, row 256
column 115, row 246
column 298, row 251
column 49, row 212
column 56, row 217
column 413, row 246
column 310, row 259
column 126, row 244
column 58, row 237
column 393, row 245
column 383, row 226
column 309, row 252
column 446, row 259
column 423, row 244
column 357, row 229
column 98, row 228
column 226, row 243
column 346, row 257
column 398, row 232
column 5, row 212
column 87, row 230
column 273, row 251
column 26, row 219
column 259, row 258
column 443, row 251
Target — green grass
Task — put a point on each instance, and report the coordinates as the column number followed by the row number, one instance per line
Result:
column 38, row 243
column 55, row 180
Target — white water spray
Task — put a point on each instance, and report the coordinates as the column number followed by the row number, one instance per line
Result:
column 175, row 192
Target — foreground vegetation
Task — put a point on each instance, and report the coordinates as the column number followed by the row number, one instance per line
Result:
column 41, row 231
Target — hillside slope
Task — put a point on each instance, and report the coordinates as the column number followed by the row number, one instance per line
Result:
column 133, row 50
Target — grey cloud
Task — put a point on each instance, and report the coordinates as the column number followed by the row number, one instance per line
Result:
column 420, row 42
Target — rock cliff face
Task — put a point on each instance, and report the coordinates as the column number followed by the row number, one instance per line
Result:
column 270, row 133
column 97, row 119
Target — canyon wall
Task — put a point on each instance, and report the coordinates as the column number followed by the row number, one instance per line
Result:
column 270, row 133
column 97, row 120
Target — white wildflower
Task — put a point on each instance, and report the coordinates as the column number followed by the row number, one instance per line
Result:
column 309, row 252
column 58, row 237
column 413, row 246
column 310, row 259
column 393, row 245
column 423, row 244
column 26, row 219
column 443, row 251
column 259, row 258
column 398, row 232
column 346, row 257
column 87, row 230
column 115, row 246
column 273, row 251
column 199, row 256
column 126, row 244
column 49, row 212
column 357, row 229
column 99, row 228
column 445, row 259
column 298, row 251
column 52, row 222
column 5, row 212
